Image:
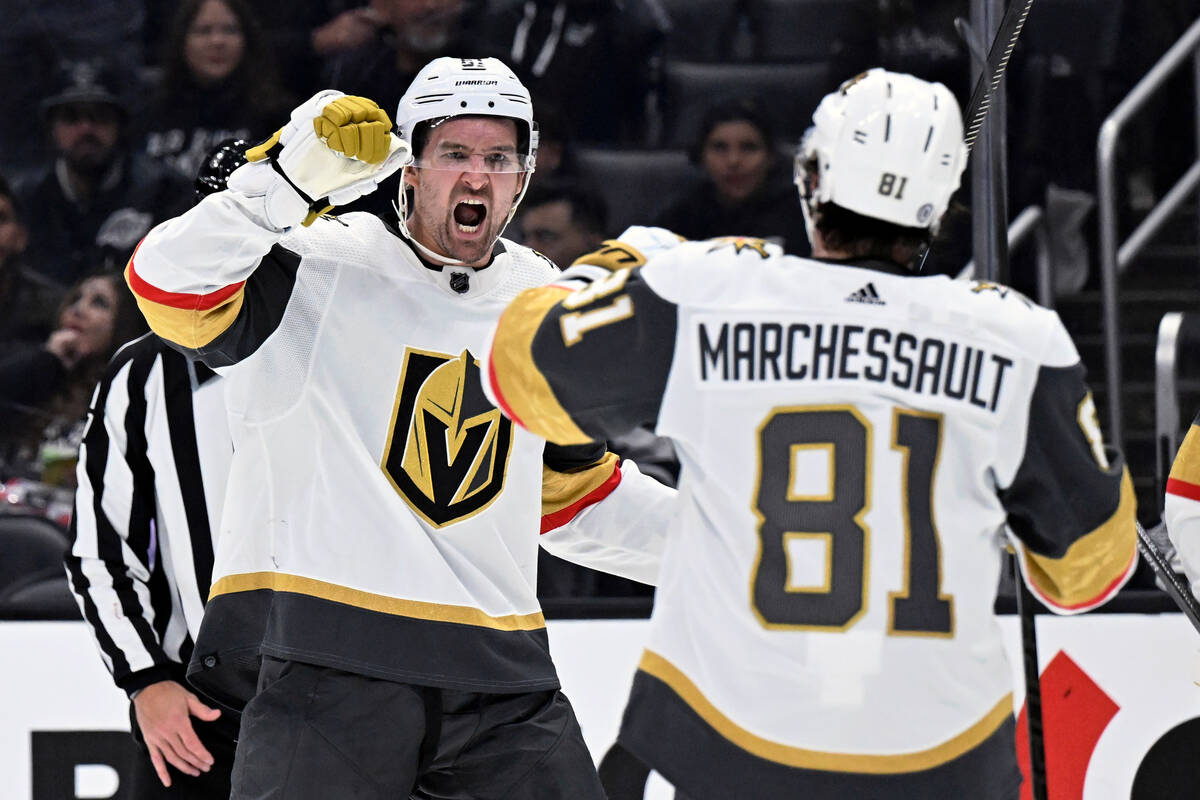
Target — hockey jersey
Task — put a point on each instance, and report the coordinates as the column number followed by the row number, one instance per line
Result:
column 382, row 516
column 858, row 445
column 1181, row 509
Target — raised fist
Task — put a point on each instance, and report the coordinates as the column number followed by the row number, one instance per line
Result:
column 334, row 149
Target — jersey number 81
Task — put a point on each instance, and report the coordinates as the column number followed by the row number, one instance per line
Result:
column 919, row 607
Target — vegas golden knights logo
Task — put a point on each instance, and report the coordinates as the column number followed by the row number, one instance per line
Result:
column 448, row 447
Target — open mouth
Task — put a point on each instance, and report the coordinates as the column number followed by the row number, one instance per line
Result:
column 469, row 214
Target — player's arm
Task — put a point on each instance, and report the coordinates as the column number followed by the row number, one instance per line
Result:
column 583, row 365
column 1070, row 505
column 576, row 367
column 1181, row 510
column 603, row 513
column 214, row 281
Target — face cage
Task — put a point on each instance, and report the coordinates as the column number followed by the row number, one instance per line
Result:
column 478, row 163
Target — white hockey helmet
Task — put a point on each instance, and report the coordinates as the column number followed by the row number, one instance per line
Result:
column 885, row 145
column 455, row 87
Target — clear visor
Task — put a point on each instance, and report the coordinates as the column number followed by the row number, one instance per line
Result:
column 459, row 159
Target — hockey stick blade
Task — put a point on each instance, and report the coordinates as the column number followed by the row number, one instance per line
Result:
column 1156, row 555
column 997, row 61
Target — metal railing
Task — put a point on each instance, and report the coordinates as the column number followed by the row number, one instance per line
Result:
column 1166, row 399
column 1114, row 256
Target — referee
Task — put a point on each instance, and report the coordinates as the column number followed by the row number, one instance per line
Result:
column 152, row 471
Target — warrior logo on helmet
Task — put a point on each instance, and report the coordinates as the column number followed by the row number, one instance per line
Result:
column 448, row 447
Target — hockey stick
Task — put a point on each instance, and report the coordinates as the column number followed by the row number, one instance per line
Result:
column 1157, row 550
column 1033, row 687
column 977, row 109
column 997, row 61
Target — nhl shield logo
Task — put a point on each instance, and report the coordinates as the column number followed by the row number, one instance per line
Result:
column 448, row 447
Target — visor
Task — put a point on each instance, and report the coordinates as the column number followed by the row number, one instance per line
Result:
column 461, row 160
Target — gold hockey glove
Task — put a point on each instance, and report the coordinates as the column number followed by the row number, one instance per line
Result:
column 334, row 149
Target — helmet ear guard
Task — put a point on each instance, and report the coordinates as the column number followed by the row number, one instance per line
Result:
column 885, row 145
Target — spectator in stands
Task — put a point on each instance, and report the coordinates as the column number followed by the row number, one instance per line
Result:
column 301, row 36
column 561, row 220
column 44, row 390
column 93, row 204
column 27, row 299
column 410, row 33
column 35, row 38
column 746, row 190
column 591, row 58
column 556, row 146
column 219, row 82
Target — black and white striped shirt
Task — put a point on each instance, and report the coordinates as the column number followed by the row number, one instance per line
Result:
column 152, row 471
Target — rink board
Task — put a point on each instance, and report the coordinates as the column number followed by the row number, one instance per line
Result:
column 61, row 714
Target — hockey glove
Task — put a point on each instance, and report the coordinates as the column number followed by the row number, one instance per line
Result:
column 334, row 149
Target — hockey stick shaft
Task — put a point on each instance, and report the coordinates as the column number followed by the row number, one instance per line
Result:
column 1033, row 688
column 1178, row 591
column 997, row 62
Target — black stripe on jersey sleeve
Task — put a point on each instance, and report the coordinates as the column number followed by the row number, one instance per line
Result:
column 612, row 379
column 177, row 392
column 1060, row 492
column 264, row 301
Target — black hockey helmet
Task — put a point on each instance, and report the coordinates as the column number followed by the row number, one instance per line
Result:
column 226, row 156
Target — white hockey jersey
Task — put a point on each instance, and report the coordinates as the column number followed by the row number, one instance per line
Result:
column 858, row 445
column 1181, row 507
column 382, row 515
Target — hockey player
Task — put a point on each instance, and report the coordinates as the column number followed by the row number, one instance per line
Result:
column 858, row 443
column 379, row 538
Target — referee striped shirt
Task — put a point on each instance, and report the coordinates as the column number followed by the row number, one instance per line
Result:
column 152, row 471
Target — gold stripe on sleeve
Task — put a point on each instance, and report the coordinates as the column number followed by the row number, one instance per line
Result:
column 561, row 489
column 417, row 609
column 523, row 390
column 191, row 329
column 668, row 673
column 1094, row 562
column 1187, row 461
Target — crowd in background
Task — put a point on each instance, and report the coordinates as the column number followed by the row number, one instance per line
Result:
column 120, row 103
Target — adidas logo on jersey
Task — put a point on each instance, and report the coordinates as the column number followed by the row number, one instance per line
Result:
column 866, row 294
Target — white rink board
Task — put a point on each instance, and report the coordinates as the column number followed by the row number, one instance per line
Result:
column 53, row 680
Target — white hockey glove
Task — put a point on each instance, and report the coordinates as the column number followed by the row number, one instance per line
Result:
column 634, row 247
column 334, row 149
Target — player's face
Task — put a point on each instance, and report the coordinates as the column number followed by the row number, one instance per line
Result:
column 460, row 213
column 735, row 157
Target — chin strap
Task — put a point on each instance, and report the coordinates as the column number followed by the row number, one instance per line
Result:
column 400, row 206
